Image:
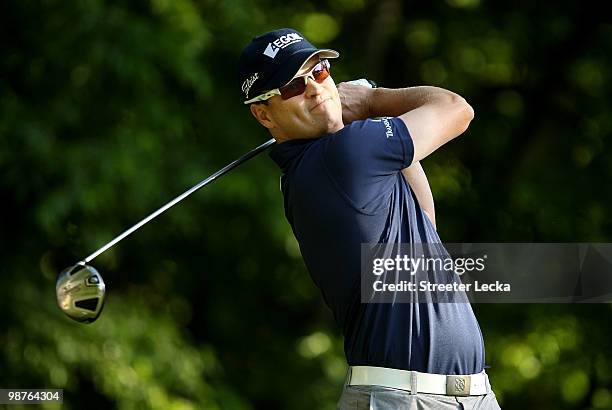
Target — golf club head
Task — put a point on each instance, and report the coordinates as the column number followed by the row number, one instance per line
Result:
column 80, row 292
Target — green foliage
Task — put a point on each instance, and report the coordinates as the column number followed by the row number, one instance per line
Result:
column 135, row 358
column 109, row 109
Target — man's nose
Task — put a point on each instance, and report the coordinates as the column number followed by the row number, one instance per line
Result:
column 313, row 88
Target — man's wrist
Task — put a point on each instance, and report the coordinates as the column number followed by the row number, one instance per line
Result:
column 369, row 102
column 376, row 100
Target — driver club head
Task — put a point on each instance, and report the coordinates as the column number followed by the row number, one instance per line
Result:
column 80, row 292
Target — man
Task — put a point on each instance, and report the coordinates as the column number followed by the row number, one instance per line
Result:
column 350, row 180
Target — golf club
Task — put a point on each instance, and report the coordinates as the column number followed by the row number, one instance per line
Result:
column 80, row 289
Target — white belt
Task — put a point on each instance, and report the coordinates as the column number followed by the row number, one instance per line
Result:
column 451, row 385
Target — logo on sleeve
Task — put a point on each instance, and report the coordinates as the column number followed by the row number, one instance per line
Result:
column 280, row 43
column 387, row 124
column 388, row 129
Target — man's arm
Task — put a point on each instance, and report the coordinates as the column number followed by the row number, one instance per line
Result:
column 415, row 176
column 433, row 115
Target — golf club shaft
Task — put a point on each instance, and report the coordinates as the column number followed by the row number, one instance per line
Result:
column 178, row 199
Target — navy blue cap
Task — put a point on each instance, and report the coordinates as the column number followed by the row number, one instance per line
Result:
column 272, row 60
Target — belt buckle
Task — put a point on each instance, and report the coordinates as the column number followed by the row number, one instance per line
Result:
column 458, row 385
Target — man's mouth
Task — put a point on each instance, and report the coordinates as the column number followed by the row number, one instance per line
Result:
column 318, row 104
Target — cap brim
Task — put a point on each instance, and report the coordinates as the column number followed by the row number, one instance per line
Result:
column 296, row 63
column 325, row 53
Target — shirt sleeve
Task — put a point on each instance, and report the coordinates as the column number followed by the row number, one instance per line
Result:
column 365, row 157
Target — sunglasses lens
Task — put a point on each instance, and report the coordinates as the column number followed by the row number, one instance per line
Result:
column 297, row 86
column 321, row 71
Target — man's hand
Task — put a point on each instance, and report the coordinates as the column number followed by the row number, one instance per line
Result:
column 355, row 101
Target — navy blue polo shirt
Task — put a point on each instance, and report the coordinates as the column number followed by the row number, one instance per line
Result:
column 345, row 189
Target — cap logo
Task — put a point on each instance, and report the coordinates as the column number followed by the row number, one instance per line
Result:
column 280, row 43
column 248, row 83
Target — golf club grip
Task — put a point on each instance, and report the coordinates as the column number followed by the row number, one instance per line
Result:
column 184, row 195
column 364, row 82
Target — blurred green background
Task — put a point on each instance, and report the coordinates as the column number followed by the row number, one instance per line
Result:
column 110, row 109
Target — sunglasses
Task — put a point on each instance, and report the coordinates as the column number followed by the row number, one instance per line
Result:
column 297, row 86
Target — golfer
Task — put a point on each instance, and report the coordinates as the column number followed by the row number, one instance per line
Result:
column 351, row 175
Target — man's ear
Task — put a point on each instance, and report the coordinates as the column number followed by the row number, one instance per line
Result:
column 262, row 114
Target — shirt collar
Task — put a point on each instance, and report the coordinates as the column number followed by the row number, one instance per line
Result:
column 286, row 154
